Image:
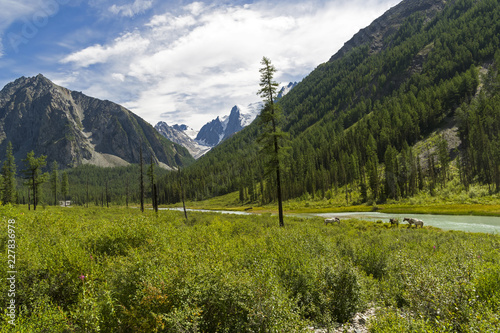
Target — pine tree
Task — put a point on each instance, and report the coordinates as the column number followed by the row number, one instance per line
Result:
column 33, row 175
column 271, row 134
column 9, row 177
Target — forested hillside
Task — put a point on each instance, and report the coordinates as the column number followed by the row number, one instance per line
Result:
column 355, row 119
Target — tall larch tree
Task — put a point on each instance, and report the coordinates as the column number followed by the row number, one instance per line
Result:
column 271, row 134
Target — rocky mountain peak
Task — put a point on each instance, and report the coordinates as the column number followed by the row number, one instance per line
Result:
column 73, row 129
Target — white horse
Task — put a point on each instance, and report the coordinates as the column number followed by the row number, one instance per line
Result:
column 332, row 220
column 414, row 221
column 419, row 223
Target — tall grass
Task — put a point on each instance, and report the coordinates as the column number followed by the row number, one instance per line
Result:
column 117, row 270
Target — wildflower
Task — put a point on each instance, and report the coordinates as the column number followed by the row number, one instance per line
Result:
column 82, row 277
column 434, row 247
column 91, row 258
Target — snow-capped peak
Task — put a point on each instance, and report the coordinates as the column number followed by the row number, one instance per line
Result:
column 189, row 131
column 249, row 113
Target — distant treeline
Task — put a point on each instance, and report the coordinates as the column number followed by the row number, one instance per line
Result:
column 90, row 185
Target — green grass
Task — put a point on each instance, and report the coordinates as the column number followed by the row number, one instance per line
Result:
column 120, row 270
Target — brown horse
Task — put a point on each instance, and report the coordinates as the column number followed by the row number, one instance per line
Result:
column 394, row 222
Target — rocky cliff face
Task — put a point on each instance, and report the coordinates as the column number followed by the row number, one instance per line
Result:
column 73, row 129
column 216, row 131
column 376, row 33
column 177, row 134
column 211, row 133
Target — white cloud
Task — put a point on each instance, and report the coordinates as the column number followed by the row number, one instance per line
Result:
column 196, row 64
column 130, row 10
column 118, row 76
column 195, row 8
column 125, row 47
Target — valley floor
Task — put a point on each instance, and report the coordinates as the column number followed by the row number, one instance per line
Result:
column 119, row 270
column 477, row 201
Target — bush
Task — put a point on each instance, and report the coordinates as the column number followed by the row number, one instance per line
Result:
column 117, row 270
column 337, row 295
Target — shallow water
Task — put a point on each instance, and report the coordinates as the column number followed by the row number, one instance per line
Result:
column 469, row 223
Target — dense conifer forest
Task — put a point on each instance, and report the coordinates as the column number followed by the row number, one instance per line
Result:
column 354, row 121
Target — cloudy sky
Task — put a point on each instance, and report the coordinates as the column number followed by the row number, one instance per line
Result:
column 177, row 61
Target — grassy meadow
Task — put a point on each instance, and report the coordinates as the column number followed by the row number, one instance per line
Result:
column 120, row 270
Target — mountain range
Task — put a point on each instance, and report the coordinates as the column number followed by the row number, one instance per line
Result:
column 217, row 130
column 212, row 133
column 73, row 129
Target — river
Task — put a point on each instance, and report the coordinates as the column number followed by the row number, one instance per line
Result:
column 469, row 223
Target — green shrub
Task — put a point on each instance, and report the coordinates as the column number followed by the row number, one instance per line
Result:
column 120, row 270
column 337, row 295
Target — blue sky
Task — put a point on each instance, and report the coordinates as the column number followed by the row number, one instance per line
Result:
column 176, row 61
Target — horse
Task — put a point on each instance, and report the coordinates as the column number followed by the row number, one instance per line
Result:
column 394, row 222
column 332, row 220
column 419, row 223
column 414, row 221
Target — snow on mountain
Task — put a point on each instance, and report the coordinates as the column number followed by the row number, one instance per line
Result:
column 189, row 131
column 286, row 89
column 249, row 113
column 221, row 128
column 178, row 134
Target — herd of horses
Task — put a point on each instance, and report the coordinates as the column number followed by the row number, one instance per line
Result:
column 394, row 221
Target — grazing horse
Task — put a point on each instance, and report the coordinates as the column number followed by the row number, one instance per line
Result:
column 414, row 221
column 419, row 223
column 332, row 220
column 409, row 220
column 394, row 222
